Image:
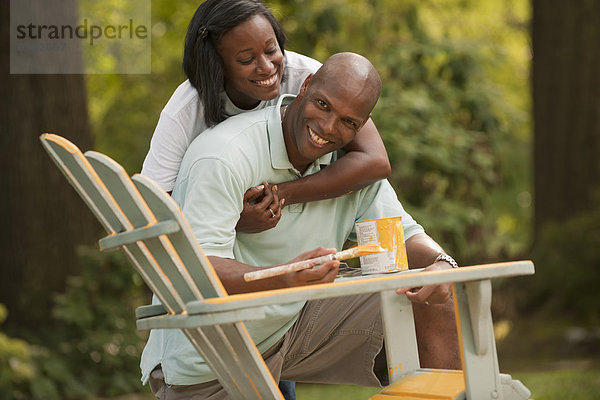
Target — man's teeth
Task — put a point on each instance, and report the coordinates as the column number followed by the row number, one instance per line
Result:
column 268, row 82
column 316, row 138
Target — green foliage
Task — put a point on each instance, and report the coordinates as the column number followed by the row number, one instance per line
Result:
column 568, row 268
column 124, row 109
column 452, row 111
column 16, row 367
column 445, row 140
column 93, row 348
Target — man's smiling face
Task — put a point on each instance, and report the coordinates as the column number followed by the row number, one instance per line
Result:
column 329, row 114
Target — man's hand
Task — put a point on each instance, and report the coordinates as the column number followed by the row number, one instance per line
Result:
column 231, row 273
column 262, row 209
column 435, row 294
column 324, row 273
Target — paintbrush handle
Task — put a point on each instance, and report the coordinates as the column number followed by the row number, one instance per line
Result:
column 284, row 269
column 299, row 265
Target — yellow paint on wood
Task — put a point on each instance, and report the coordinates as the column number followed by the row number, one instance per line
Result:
column 439, row 385
column 392, row 397
column 458, row 327
column 349, row 283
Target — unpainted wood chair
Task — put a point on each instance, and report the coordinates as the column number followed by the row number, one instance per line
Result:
column 148, row 226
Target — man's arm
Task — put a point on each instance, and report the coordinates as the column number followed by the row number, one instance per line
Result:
column 231, row 273
column 435, row 323
column 422, row 251
column 365, row 162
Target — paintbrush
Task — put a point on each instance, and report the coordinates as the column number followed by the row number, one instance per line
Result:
column 357, row 251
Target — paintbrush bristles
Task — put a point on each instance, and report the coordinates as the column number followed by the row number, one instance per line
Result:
column 359, row 251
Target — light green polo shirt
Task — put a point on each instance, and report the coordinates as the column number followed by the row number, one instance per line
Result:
column 219, row 166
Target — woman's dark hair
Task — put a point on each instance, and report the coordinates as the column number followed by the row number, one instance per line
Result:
column 201, row 61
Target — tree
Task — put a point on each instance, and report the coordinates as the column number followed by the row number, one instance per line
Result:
column 43, row 219
column 566, row 109
column 566, row 94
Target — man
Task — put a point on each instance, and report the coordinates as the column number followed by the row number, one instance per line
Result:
column 335, row 340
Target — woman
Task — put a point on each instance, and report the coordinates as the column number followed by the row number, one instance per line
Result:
column 235, row 62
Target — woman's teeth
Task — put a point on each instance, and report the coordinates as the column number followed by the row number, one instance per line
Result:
column 268, row 82
column 316, row 139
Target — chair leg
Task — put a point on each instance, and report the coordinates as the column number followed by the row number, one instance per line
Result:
column 513, row 389
column 476, row 333
column 399, row 334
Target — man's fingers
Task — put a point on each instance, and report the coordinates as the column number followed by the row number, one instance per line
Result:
column 253, row 193
column 267, row 199
column 325, row 272
column 275, row 203
column 434, row 294
column 420, row 295
column 318, row 252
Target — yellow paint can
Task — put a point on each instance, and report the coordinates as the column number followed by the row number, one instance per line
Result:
column 386, row 232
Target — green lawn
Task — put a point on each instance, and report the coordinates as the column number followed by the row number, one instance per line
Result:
column 549, row 385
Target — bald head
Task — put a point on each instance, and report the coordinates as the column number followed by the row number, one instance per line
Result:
column 354, row 73
column 331, row 108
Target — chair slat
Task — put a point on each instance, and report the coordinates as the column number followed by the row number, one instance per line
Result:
column 86, row 181
column 118, row 183
column 179, row 321
column 166, row 265
column 76, row 168
column 116, row 240
column 165, row 208
column 248, row 354
column 213, row 358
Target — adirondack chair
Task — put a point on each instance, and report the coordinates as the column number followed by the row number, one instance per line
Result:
column 147, row 225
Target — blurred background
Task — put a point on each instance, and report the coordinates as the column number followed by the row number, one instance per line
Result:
column 490, row 112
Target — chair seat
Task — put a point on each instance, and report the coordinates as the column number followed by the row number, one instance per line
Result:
column 425, row 384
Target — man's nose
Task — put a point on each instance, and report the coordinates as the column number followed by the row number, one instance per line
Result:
column 328, row 123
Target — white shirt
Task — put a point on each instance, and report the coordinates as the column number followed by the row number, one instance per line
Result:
column 182, row 120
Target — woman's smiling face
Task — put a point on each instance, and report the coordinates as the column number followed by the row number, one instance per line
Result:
column 252, row 62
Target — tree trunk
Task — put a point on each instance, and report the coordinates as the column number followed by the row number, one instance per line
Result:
column 566, row 108
column 43, row 219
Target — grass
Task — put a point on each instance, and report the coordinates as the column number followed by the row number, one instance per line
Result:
column 563, row 385
column 533, row 351
column 548, row 385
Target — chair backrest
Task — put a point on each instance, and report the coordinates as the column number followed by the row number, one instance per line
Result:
column 148, row 226
column 175, row 276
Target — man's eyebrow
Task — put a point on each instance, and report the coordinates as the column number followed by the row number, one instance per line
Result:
column 268, row 41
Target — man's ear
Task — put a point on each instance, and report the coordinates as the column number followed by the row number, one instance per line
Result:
column 305, row 85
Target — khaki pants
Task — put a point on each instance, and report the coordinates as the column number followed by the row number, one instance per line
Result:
column 335, row 340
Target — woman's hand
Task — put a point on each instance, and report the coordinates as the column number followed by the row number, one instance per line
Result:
column 262, row 209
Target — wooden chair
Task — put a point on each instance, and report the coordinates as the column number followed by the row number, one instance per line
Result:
column 147, row 225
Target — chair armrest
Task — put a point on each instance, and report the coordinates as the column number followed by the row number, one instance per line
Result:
column 150, row 310
column 361, row 285
column 183, row 321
